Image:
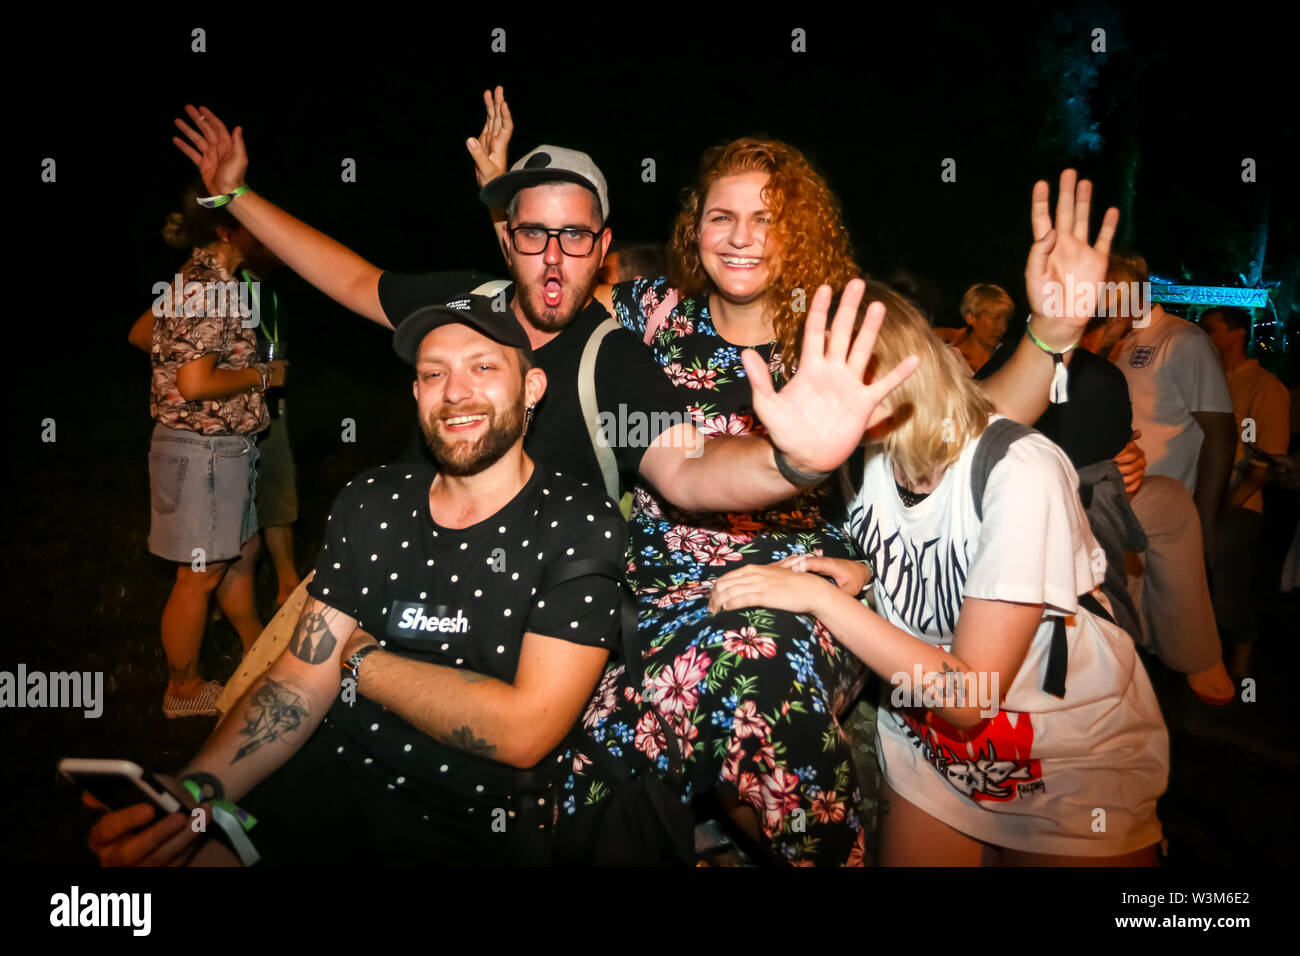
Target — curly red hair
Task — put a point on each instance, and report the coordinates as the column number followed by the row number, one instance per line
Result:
column 806, row 221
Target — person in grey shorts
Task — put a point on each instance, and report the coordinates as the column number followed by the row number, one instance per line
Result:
column 207, row 399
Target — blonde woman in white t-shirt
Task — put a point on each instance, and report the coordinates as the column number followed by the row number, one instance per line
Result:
column 982, row 763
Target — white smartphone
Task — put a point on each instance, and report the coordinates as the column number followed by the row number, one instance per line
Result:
column 118, row 783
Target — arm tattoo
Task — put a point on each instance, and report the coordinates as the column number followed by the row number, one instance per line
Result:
column 472, row 677
column 954, row 688
column 466, row 741
column 276, row 710
column 313, row 642
column 212, row 787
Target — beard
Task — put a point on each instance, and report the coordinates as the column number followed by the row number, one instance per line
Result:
column 459, row 458
column 545, row 319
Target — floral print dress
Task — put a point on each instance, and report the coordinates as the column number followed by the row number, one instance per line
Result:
column 753, row 695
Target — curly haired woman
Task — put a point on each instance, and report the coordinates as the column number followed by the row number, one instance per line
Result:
column 753, row 695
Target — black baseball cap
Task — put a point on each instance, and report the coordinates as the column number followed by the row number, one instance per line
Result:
column 475, row 311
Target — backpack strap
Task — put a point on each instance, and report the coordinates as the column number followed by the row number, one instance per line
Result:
column 990, row 449
column 632, row 660
column 591, row 410
column 492, row 287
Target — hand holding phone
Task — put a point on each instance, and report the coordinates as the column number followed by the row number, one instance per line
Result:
column 147, row 823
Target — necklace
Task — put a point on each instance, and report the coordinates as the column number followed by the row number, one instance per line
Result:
column 910, row 498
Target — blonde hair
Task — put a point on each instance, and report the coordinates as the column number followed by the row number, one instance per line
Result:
column 938, row 408
column 985, row 298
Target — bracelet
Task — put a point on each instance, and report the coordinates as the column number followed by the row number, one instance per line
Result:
column 800, row 479
column 233, row 823
column 264, row 371
column 216, row 202
column 1060, row 374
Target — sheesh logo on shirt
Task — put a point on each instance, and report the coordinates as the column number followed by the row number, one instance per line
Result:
column 409, row 619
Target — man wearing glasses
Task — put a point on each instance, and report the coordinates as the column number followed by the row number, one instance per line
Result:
column 554, row 240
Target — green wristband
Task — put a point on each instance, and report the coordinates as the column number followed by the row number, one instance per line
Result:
column 215, row 202
column 1029, row 330
column 246, row 819
column 1059, row 392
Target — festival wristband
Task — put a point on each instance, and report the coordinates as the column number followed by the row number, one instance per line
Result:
column 1060, row 375
column 216, row 202
column 232, row 820
column 800, row 479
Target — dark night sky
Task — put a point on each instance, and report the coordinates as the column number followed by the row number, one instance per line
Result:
column 876, row 103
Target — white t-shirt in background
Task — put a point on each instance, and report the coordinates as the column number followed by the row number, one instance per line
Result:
column 1172, row 370
column 1032, row 776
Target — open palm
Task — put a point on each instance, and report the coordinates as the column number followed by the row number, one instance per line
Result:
column 819, row 417
column 489, row 150
column 218, row 154
column 1064, row 273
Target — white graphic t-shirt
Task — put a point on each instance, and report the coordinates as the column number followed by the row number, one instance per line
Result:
column 1172, row 369
column 1031, row 777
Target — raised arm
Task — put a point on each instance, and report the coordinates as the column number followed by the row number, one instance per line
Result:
column 1060, row 261
column 515, row 723
column 816, row 421
column 489, row 149
column 328, row 265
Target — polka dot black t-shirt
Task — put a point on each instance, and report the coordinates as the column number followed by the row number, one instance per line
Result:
column 461, row 598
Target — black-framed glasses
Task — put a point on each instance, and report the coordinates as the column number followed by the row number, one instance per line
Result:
column 533, row 240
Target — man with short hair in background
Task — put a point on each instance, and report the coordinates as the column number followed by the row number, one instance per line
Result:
column 1180, row 397
column 1182, row 411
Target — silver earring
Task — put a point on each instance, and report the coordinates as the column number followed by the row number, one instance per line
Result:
column 528, row 417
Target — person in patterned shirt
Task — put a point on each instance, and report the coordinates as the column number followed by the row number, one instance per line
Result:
column 206, row 397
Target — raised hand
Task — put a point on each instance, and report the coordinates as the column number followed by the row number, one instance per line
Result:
column 1064, row 273
column 820, row 416
column 489, row 150
column 218, row 154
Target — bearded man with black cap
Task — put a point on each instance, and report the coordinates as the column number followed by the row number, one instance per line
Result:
column 463, row 662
